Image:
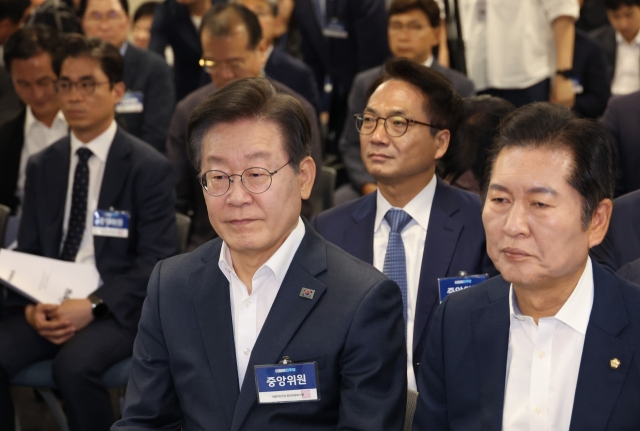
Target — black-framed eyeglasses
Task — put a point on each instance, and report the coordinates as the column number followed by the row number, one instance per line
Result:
column 395, row 125
column 85, row 86
column 255, row 180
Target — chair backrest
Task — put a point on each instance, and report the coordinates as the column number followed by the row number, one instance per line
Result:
column 183, row 223
column 412, row 399
column 328, row 178
column 5, row 212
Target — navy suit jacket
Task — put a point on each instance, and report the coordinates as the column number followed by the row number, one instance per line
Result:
column 11, row 143
column 294, row 74
column 590, row 68
column 184, row 372
column 606, row 38
column 621, row 117
column 148, row 73
column 136, row 179
column 462, row 380
column 455, row 242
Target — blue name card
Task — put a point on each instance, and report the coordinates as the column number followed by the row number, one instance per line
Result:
column 288, row 383
column 451, row 285
column 111, row 223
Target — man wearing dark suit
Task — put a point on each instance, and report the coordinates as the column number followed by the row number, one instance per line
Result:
column 222, row 45
column 98, row 169
column 413, row 29
column 550, row 343
column 443, row 234
column 28, row 54
column 620, row 42
column 149, row 100
column 281, row 66
column 621, row 118
column 591, row 82
column 268, row 290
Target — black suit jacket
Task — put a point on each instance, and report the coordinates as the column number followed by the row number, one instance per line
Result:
column 621, row 117
column 136, row 179
column 190, row 199
column 184, row 372
column 148, row 73
column 11, row 143
column 462, row 380
column 590, row 68
column 10, row 104
column 294, row 74
column 349, row 144
column 606, row 38
column 455, row 242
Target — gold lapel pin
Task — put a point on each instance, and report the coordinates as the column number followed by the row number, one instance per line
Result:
column 615, row 363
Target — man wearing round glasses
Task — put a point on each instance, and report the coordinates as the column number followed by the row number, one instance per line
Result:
column 269, row 291
column 415, row 228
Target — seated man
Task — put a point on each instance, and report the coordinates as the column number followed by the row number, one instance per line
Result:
column 28, row 54
column 270, row 290
column 413, row 28
column 98, row 168
column 149, row 99
column 232, row 50
column 442, row 234
column 551, row 343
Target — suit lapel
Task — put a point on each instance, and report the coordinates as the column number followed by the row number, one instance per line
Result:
column 358, row 235
column 116, row 171
column 490, row 326
column 56, row 180
column 442, row 237
column 288, row 312
column 598, row 384
column 212, row 301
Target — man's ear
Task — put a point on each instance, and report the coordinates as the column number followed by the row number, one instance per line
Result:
column 307, row 176
column 118, row 91
column 600, row 222
column 442, row 140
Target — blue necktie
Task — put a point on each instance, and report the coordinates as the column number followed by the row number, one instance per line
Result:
column 78, row 213
column 395, row 262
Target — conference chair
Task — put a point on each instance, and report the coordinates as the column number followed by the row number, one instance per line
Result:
column 40, row 374
column 5, row 212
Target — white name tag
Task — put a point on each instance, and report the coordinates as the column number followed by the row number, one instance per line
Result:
column 131, row 103
column 111, row 223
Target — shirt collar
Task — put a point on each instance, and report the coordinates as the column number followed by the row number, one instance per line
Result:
column 30, row 120
column 278, row 263
column 99, row 146
column 576, row 311
column 123, row 48
column 620, row 40
column 418, row 208
column 268, row 54
column 429, row 61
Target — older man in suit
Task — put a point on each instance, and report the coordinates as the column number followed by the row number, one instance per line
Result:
column 550, row 344
column 148, row 102
column 269, row 291
column 442, row 232
column 413, row 28
column 102, row 171
column 232, row 50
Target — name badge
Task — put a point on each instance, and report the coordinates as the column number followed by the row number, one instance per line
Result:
column 451, row 285
column 131, row 103
column 288, row 383
column 335, row 29
column 111, row 223
column 577, row 85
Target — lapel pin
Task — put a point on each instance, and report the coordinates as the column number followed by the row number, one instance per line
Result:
column 615, row 363
column 307, row 293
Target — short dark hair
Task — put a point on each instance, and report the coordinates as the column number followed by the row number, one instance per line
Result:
column 29, row 42
column 469, row 146
column 429, row 7
column 254, row 99
column 617, row 4
column 75, row 45
column 273, row 5
column 222, row 18
column 84, row 3
column 442, row 105
column 145, row 9
column 13, row 9
column 545, row 125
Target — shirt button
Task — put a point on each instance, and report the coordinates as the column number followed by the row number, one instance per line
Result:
column 247, row 304
column 246, row 351
column 542, row 354
column 538, row 410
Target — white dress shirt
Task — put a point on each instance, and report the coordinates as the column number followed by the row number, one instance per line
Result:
column 249, row 312
column 626, row 76
column 509, row 44
column 37, row 137
column 428, row 62
column 543, row 362
column 100, row 148
column 414, row 236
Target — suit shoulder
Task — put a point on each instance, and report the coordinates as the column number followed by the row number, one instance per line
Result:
column 350, row 270
column 627, row 203
column 281, row 88
column 194, row 98
column 335, row 215
column 492, row 290
column 290, row 61
column 366, row 77
column 602, row 33
column 466, row 200
column 182, row 265
column 628, row 101
column 142, row 152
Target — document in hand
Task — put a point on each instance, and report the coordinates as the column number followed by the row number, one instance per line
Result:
column 46, row 280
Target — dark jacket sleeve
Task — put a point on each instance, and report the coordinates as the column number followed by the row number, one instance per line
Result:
column 592, row 69
column 159, row 103
column 179, row 159
column 159, row 40
column 611, row 119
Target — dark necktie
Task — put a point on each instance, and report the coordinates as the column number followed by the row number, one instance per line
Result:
column 78, row 213
column 395, row 262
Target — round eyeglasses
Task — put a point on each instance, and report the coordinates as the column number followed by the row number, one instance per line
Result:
column 395, row 125
column 85, row 86
column 255, row 180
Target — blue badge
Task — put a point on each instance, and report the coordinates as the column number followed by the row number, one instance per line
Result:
column 451, row 285
column 335, row 29
column 131, row 103
column 111, row 223
column 288, row 383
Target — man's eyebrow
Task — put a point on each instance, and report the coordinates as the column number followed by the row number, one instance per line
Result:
column 498, row 187
column 531, row 191
column 394, row 112
column 258, row 155
column 66, row 78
